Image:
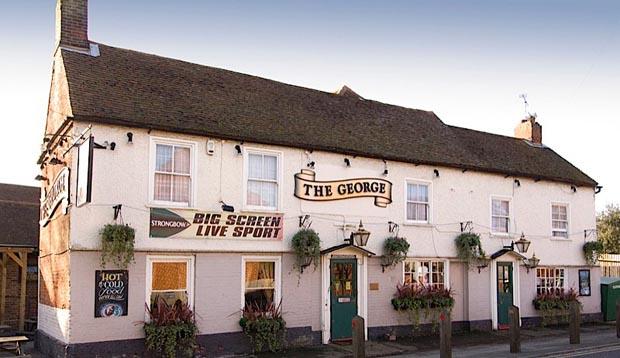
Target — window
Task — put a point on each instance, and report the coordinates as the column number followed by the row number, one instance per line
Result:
column 418, row 202
column 549, row 279
column 172, row 172
column 170, row 278
column 500, row 216
column 262, row 180
column 261, row 278
column 429, row 273
column 584, row 283
column 559, row 220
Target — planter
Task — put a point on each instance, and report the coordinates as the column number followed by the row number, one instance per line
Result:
column 418, row 301
column 554, row 307
column 117, row 245
column 264, row 326
column 171, row 331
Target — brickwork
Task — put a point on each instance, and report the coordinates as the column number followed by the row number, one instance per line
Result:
column 13, row 289
column 72, row 23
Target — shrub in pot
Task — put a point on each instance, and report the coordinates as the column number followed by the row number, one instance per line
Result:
column 469, row 248
column 117, row 244
column 171, row 330
column 554, row 305
column 395, row 250
column 307, row 247
column 264, row 326
column 592, row 250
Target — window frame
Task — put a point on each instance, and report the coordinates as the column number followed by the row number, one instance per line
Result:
column 564, row 277
column 429, row 213
column 277, row 295
column 567, row 231
column 246, row 171
column 510, row 215
column 416, row 261
column 190, row 262
column 192, row 171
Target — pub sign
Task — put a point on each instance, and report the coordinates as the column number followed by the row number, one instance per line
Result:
column 111, row 291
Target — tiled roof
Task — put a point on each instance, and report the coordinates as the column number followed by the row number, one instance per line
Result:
column 136, row 89
column 19, row 215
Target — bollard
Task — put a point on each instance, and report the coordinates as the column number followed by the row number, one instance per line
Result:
column 515, row 330
column 445, row 335
column 359, row 337
column 618, row 318
column 575, row 322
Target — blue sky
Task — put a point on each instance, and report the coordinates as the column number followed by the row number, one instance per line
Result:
column 467, row 61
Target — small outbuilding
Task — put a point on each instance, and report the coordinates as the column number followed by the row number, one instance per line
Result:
column 19, row 237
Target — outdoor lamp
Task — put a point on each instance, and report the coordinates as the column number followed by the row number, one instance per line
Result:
column 522, row 244
column 531, row 262
column 307, row 261
column 360, row 236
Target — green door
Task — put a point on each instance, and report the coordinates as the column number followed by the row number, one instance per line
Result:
column 343, row 297
column 504, row 292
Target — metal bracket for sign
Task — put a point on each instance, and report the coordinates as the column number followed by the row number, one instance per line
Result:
column 117, row 211
column 79, row 140
column 589, row 233
column 393, row 228
column 303, row 221
column 467, row 226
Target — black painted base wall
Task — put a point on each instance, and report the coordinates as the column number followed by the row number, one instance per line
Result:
column 237, row 342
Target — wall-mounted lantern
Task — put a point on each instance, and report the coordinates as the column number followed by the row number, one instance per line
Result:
column 531, row 263
column 522, row 244
column 360, row 237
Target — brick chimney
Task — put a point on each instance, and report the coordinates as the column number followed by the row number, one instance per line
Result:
column 529, row 129
column 72, row 24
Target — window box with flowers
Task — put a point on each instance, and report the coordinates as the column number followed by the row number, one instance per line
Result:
column 554, row 305
column 418, row 300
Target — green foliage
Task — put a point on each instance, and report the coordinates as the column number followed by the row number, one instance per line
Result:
column 592, row 250
column 172, row 329
column 469, row 248
column 264, row 326
column 306, row 244
column 395, row 250
column 117, row 244
column 419, row 299
column 608, row 227
column 554, row 306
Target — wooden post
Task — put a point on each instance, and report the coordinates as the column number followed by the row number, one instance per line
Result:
column 3, row 288
column 359, row 337
column 618, row 318
column 23, row 256
column 575, row 322
column 515, row 330
column 445, row 335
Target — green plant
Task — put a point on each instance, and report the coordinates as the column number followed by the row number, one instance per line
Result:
column 307, row 247
column 171, row 329
column 264, row 326
column 417, row 299
column 469, row 248
column 592, row 250
column 117, row 242
column 395, row 250
column 554, row 305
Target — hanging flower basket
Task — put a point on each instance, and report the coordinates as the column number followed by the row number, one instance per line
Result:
column 469, row 249
column 117, row 245
column 307, row 247
column 395, row 250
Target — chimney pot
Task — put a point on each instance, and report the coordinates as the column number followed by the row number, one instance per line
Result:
column 72, row 24
column 529, row 129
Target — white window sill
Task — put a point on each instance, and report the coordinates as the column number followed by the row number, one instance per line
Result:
column 500, row 234
column 417, row 223
column 561, row 239
column 169, row 206
column 258, row 209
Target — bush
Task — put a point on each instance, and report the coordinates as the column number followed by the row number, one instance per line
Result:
column 395, row 250
column 171, row 330
column 416, row 299
column 554, row 305
column 117, row 242
column 469, row 248
column 306, row 245
column 264, row 326
column 592, row 250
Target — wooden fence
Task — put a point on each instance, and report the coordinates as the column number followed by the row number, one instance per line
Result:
column 610, row 265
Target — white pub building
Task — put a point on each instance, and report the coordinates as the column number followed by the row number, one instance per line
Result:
column 217, row 170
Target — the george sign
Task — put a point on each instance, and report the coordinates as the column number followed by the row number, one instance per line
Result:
column 192, row 224
column 111, row 291
column 84, row 172
column 58, row 193
column 307, row 188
